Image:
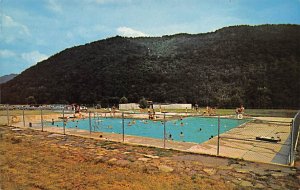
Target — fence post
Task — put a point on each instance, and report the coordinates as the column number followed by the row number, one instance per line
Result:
column 23, row 117
column 94, row 120
column 218, row 147
column 64, row 126
column 123, row 129
column 42, row 124
column 90, row 124
column 164, row 130
column 292, row 142
column 7, row 113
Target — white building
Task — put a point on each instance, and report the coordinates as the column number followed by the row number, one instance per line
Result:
column 134, row 106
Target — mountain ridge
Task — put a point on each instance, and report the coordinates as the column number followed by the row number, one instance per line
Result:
column 252, row 65
column 5, row 78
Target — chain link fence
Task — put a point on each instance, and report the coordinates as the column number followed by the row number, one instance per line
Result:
column 250, row 139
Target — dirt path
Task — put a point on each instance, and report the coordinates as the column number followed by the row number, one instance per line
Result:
column 31, row 159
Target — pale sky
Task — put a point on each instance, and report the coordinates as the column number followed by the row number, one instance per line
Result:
column 33, row 30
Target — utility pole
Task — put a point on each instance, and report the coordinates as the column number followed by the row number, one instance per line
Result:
column 164, row 129
column 219, row 125
column 123, row 128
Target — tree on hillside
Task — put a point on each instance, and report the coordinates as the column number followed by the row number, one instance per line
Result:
column 143, row 103
column 31, row 100
column 123, row 100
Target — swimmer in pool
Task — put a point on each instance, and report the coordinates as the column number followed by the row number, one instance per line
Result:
column 181, row 135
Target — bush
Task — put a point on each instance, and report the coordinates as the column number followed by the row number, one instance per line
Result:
column 143, row 103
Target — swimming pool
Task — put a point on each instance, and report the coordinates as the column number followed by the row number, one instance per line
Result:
column 190, row 129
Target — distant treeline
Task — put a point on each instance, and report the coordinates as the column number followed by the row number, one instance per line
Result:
column 257, row 66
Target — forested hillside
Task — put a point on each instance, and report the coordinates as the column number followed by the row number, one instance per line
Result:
column 258, row 66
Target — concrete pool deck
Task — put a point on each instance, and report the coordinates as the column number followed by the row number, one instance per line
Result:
column 238, row 142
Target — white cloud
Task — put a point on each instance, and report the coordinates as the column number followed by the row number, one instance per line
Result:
column 12, row 30
column 54, row 6
column 6, row 53
column 10, row 24
column 129, row 32
column 33, row 57
column 111, row 1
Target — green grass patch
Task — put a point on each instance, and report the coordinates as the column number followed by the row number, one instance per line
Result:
column 28, row 112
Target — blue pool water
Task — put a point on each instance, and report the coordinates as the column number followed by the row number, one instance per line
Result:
column 194, row 129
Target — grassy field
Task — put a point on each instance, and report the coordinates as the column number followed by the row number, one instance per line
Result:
column 272, row 112
column 33, row 161
column 251, row 112
column 28, row 112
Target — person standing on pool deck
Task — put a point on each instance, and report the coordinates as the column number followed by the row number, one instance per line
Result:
column 196, row 107
column 114, row 110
